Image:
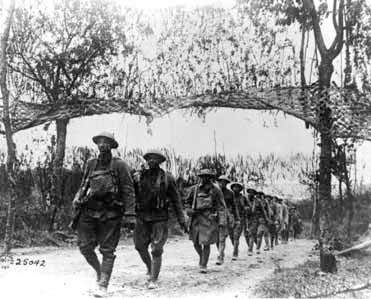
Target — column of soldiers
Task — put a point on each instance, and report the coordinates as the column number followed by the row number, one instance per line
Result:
column 110, row 190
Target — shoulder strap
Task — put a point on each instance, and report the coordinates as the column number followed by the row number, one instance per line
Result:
column 166, row 179
column 111, row 165
column 93, row 166
column 195, row 196
column 114, row 173
column 159, row 179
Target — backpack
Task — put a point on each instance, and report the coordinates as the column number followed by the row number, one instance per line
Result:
column 161, row 201
column 103, row 184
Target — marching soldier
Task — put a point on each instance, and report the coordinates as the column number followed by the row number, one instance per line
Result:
column 296, row 224
column 155, row 189
column 278, row 218
column 233, row 218
column 241, row 203
column 261, row 209
column 252, row 219
column 285, row 222
column 106, row 193
column 273, row 222
column 206, row 209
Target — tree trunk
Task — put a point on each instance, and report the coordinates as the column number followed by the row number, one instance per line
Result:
column 341, row 195
column 315, row 228
column 11, row 154
column 57, row 175
column 349, row 205
column 325, row 72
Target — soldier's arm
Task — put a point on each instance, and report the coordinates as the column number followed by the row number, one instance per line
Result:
column 235, row 209
column 189, row 198
column 220, row 205
column 269, row 209
column 253, row 209
column 86, row 173
column 126, row 185
column 174, row 197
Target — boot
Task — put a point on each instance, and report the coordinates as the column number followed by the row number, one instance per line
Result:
column 146, row 258
column 106, row 270
column 101, row 291
column 235, row 251
column 250, row 246
column 92, row 259
column 258, row 245
column 220, row 259
column 205, row 259
column 199, row 252
column 266, row 241
column 155, row 271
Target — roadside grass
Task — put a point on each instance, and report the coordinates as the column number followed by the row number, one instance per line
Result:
column 306, row 281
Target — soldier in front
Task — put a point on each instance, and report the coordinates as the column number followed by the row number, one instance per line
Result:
column 155, row 190
column 106, row 193
column 206, row 208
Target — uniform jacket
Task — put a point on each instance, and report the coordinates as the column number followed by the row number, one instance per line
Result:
column 205, row 221
column 153, row 199
column 125, row 201
column 241, row 203
column 231, row 203
column 285, row 214
column 261, row 210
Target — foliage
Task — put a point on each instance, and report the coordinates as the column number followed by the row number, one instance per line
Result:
column 59, row 50
column 305, row 281
column 35, row 208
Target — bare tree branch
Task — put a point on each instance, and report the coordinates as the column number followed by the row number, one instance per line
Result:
column 309, row 5
column 337, row 45
column 334, row 21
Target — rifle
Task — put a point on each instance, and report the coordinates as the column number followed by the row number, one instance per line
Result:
column 81, row 197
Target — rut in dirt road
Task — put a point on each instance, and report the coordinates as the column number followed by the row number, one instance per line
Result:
column 66, row 274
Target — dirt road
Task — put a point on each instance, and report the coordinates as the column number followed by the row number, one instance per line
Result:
column 66, row 275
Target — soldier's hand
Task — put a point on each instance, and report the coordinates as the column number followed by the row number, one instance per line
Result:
column 76, row 203
column 184, row 227
column 130, row 222
column 136, row 176
column 238, row 223
column 190, row 212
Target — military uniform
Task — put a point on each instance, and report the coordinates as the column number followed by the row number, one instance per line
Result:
column 206, row 209
column 229, row 228
column 261, row 210
column 295, row 223
column 241, row 203
column 276, row 221
column 273, row 224
column 251, row 219
column 109, row 195
column 285, row 223
column 155, row 190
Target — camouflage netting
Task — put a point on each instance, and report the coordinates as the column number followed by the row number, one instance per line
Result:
column 195, row 59
column 350, row 111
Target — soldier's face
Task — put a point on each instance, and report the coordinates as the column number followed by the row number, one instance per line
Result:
column 236, row 189
column 223, row 183
column 205, row 179
column 153, row 161
column 103, row 144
